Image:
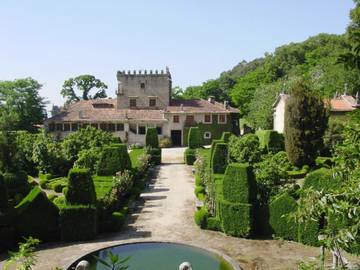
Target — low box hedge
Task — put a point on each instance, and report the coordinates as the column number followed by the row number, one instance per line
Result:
column 200, row 217
column 78, row 222
column 114, row 158
column 190, row 156
column 81, row 189
column 226, row 136
column 220, row 158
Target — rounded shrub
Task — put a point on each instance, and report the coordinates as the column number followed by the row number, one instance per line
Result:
column 114, row 158
column 190, row 156
column 225, row 137
column 151, row 138
column 220, row 158
column 194, row 138
column 81, row 189
column 321, row 179
column 200, row 217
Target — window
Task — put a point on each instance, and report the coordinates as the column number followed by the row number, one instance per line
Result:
column 132, row 102
column 111, row 127
column 142, row 85
column 59, row 127
column 142, row 130
column 207, row 135
column 119, row 127
column 176, row 119
column 159, row 130
column 133, row 128
column 51, row 127
column 103, row 126
column 222, row 118
column 152, row 102
column 207, row 118
column 190, row 119
column 74, row 127
column 66, row 127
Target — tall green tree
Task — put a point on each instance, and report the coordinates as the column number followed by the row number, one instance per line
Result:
column 83, row 84
column 305, row 123
column 21, row 106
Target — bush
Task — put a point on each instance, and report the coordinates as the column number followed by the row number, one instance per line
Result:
column 88, row 159
column 212, row 149
column 81, row 189
column 43, row 183
column 239, row 184
column 236, row 218
column 58, row 187
column 16, row 183
column 213, row 223
column 190, row 156
column 155, row 154
column 225, row 137
column 321, row 179
column 245, row 149
column 151, row 138
column 200, row 217
column 280, row 223
column 199, row 190
column 78, row 223
column 165, row 142
column 270, row 140
column 220, row 158
column 194, row 138
column 37, row 217
column 3, row 194
column 308, row 233
column 114, row 158
column 52, row 197
column 326, row 162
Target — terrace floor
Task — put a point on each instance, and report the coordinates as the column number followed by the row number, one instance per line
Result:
column 165, row 213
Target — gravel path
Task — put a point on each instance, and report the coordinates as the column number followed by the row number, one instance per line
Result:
column 165, row 213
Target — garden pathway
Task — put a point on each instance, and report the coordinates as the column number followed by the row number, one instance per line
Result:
column 165, row 213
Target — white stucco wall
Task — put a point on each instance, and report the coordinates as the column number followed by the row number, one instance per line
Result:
column 279, row 116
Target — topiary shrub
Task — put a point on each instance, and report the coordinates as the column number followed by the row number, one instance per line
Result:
column 225, row 137
column 16, row 183
column 58, row 187
column 239, row 185
column 321, row 179
column 81, row 189
column 219, row 160
column 212, row 149
column 270, row 140
column 190, row 156
column 78, row 222
column 155, row 154
column 213, row 223
column 281, row 225
column 199, row 190
column 111, row 222
column 194, row 138
column 37, row 216
column 308, row 233
column 3, row 194
column 200, row 217
column 114, row 158
column 245, row 149
column 151, row 138
column 236, row 218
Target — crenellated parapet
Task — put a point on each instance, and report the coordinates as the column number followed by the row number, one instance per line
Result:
column 143, row 73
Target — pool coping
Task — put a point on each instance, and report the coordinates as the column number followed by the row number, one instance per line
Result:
column 235, row 265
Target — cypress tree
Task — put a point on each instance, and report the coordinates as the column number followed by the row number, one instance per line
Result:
column 305, row 123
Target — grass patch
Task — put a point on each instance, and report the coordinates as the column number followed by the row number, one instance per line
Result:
column 134, row 156
column 103, row 185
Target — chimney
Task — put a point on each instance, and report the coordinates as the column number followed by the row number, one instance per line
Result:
column 182, row 107
column 226, row 104
column 211, row 99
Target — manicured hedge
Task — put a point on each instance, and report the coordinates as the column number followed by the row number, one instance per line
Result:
column 155, row 154
column 37, row 216
column 270, row 140
column 78, row 223
column 190, row 156
column 236, row 218
column 112, row 223
column 226, row 136
column 212, row 149
column 239, row 184
column 321, row 179
column 200, row 217
column 114, row 158
column 151, row 138
column 213, row 223
column 7, row 238
column 281, row 225
column 219, row 159
column 3, row 194
column 194, row 138
column 308, row 233
column 81, row 189
column 16, row 183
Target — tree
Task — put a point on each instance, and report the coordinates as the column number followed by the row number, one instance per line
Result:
column 83, row 84
column 21, row 106
column 305, row 122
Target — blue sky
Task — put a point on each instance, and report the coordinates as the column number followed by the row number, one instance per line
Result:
column 198, row 39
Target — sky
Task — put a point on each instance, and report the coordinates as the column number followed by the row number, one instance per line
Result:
column 52, row 41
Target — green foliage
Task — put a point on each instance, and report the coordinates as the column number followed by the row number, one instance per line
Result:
column 88, row 159
column 305, row 123
column 81, row 189
column 236, row 218
column 213, row 144
column 333, row 136
column 165, row 142
column 324, row 162
column 270, row 140
column 213, row 223
column 308, row 233
column 78, row 222
column 84, row 84
column 25, row 145
column 3, row 194
column 16, row 183
column 200, row 217
column 113, row 261
column 151, row 138
column 245, row 149
column 114, row 158
column 155, row 154
column 194, row 138
column 199, row 191
column 279, row 209
column 190, row 156
column 321, row 179
column 239, row 184
column 84, row 139
column 220, row 158
column 37, row 216
column 225, row 137
column 9, row 154
column 113, row 222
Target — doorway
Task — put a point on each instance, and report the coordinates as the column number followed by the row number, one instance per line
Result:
column 176, row 137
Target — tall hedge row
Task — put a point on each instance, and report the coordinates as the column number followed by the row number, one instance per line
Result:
column 114, row 158
column 151, row 138
column 270, row 140
column 81, row 189
column 236, row 218
column 212, row 149
column 194, row 138
column 220, row 158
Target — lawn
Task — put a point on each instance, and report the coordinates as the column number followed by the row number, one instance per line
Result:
column 134, row 156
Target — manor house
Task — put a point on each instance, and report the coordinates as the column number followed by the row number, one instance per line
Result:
column 143, row 99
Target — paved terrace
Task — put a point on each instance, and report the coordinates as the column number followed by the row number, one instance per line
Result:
column 165, row 213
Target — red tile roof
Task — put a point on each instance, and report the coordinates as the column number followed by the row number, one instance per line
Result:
column 198, row 105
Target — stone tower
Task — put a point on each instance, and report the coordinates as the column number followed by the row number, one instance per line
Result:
column 143, row 89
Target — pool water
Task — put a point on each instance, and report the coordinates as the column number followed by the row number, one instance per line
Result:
column 159, row 256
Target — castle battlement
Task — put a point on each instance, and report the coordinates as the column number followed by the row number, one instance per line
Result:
column 143, row 73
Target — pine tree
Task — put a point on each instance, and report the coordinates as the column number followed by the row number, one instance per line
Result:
column 305, row 122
